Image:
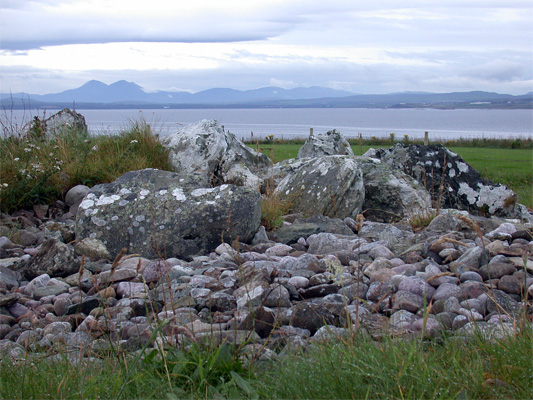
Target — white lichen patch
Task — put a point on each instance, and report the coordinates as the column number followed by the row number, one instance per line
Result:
column 105, row 200
column 451, row 173
column 179, row 195
column 461, row 166
column 471, row 194
column 162, row 192
column 122, row 203
column 87, row 203
column 114, row 218
column 144, row 192
column 201, row 192
column 90, row 211
column 98, row 221
column 135, row 224
column 211, row 203
column 140, row 218
column 124, row 191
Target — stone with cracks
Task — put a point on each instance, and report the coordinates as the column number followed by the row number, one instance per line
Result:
column 54, row 258
column 329, row 144
column 391, row 194
column 151, row 212
column 205, row 155
column 330, row 185
column 452, row 181
column 61, row 122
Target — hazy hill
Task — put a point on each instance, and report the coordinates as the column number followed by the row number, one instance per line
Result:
column 123, row 94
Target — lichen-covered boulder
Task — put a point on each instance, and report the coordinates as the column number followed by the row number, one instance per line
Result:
column 329, row 144
column 330, row 185
column 206, row 155
column 151, row 213
column 390, row 193
column 61, row 122
column 450, row 180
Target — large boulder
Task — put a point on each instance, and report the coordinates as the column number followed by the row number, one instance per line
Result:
column 151, row 212
column 329, row 144
column 450, row 180
column 61, row 122
column 390, row 193
column 329, row 185
column 206, row 155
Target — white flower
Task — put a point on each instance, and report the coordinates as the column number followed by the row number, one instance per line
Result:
column 94, row 148
column 27, row 150
column 5, row 184
column 16, row 159
column 134, row 141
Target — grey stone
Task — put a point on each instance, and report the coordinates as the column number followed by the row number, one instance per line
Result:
column 390, row 193
column 204, row 154
column 417, row 286
column 323, row 243
column 60, row 123
column 469, row 261
column 260, row 319
column 118, row 275
column 319, row 290
column 378, row 290
column 402, row 319
column 220, row 301
column 331, row 186
column 92, row 248
column 404, row 300
column 53, row 287
column 447, row 290
column 150, row 212
column 501, row 303
column 463, row 186
column 471, row 276
column 496, row 270
column 510, row 284
column 328, row 144
column 310, row 316
column 53, row 258
column 131, row 289
column 9, row 277
column 9, row 299
column 305, row 227
column 75, row 196
column 277, row 296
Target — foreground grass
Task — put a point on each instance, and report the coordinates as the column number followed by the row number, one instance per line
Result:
column 353, row 368
column 512, row 167
column 398, row 369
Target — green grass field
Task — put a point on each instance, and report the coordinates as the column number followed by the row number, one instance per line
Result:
column 511, row 167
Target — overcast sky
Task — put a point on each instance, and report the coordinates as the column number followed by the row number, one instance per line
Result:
column 363, row 46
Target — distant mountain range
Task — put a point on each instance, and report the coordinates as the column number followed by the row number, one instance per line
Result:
column 123, row 94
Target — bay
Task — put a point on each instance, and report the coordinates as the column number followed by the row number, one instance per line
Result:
column 286, row 123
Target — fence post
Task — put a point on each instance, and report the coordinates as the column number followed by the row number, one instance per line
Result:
column 310, row 131
column 426, row 138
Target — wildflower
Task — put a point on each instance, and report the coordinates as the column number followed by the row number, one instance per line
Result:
column 94, row 148
column 27, row 150
column 134, row 141
column 5, row 184
column 16, row 159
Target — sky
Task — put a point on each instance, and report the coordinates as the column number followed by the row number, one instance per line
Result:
column 362, row 46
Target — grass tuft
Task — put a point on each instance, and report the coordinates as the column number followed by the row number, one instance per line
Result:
column 36, row 170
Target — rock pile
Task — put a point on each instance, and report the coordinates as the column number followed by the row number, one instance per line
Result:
column 163, row 258
column 382, row 278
